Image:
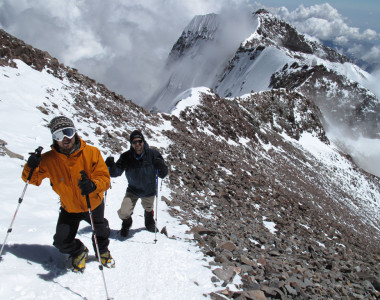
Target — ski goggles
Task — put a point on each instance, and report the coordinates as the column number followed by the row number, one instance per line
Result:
column 60, row 134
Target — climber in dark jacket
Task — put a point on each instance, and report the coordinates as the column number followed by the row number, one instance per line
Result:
column 141, row 164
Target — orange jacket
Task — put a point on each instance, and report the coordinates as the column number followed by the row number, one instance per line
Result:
column 64, row 173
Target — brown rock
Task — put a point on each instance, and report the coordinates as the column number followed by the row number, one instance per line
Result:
column 255, row 295
column 228, row 246
column 225, row 275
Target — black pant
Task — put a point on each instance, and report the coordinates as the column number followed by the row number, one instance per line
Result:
column 67, row 228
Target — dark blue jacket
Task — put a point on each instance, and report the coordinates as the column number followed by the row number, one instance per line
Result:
column 140, row 171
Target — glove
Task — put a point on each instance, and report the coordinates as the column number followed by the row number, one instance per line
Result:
column 86, row 186
column 110, row 162
column 34, row 160
column 158, row 163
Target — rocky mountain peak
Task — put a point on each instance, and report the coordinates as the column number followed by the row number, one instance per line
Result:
column 278, row 33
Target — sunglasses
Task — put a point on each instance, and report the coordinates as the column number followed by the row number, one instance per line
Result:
column 137, row 141
column 60, row 134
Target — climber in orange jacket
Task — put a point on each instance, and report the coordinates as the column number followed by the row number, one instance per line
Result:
column 62, row 165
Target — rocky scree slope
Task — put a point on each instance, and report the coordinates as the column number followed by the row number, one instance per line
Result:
column 232, row 171
column 323, row 247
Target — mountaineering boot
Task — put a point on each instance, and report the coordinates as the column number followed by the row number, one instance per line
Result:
column 149, row 221
column 79, row 261
column 107, row 260
column 125, row 227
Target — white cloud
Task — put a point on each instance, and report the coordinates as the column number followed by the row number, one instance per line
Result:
column 302, row 13
column 123, row 44
column 324, row 21
column 373, row 54
column 82, row 45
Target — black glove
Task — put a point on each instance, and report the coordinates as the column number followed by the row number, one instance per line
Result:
column 86, row 186
column 158, row 163
column 110, row 162
column 34, row 160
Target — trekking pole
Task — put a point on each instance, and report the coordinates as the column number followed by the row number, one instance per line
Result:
column 105, row 193
column 155, row 226
column 38, row 153
column 84, row 176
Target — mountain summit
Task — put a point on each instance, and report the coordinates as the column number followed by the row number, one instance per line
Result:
column 267, row 53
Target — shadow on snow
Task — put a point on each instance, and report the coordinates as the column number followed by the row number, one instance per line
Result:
column 114, row 233
column 55, row 263
column 45, row 255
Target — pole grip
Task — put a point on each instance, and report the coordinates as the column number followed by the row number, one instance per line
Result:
column 30, row 174
column 84, row 177
column 83, row 174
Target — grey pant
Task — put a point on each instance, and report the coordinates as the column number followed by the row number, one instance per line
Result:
column 129, row 203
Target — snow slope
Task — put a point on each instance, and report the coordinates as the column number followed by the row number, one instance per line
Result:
column 247, row 75
column 32, row 268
